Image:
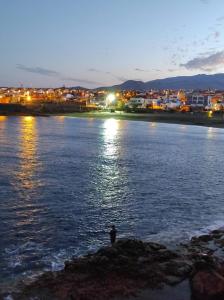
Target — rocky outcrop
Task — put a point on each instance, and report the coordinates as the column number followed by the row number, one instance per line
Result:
column 131, row 265
column 119, row 270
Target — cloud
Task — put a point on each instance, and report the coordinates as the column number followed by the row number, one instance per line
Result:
column 205, row 63
column 141, row 70
column 94, row 70
column 220, row 19
column 118, row 77
column 51, row 73
column 207, row 53
column 216, row 34
column 79, row 80
column 38, row 70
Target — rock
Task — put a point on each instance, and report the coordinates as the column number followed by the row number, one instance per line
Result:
column 207, row 285
column 217, row 234
column 107, row 251
column 220, row 243
column 173, row 280
column 179, row 268
column 99, row 261
column 217, row 231
column 145, row 259
column 130, row 265
column 153, row 247
column 123, row 259
column 165, row 254
column 130, row 247
column 204, row 262
column 203, row 238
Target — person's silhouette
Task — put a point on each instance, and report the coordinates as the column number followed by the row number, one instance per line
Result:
column 113, row 234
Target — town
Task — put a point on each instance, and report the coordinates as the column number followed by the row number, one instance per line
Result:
column 80, row 99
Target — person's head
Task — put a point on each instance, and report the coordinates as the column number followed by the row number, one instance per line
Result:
column 113, row 226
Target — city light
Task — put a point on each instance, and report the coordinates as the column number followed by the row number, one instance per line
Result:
column 210, row 114
column 110, row 98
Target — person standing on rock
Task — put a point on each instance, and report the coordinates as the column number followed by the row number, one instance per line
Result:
column 113, row 234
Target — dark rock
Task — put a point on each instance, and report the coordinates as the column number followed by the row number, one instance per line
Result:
column 220, row 243
column 203, row 238
column 217, row 231
column 165, row 254
column 207, row 285
column 107, row 251
column 129, row 265
column 130, row 247
column 173, row 280
column 153, row 247
column 179, row 268
column 145, row 259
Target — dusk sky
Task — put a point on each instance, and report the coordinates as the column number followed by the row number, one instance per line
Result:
column 50, row 43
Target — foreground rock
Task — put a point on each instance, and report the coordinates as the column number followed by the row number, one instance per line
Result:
column 132, row 265
column 207, row 281
column 120, row 270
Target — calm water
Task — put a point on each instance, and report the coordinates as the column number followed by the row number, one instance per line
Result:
column 65, row 180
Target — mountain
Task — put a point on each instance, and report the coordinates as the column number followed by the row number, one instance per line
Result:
column 201, row 81
column 79, row 88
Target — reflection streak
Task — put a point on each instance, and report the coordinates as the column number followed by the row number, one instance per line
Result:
column 26, row 179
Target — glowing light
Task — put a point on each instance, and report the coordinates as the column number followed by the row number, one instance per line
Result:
column 110, row 98
column 28, row 118
column 152, row 124
column 3, row 118
column 60, row 118
column 210, row 114
column 111, row 127
column 211, row 132
column 28, row 98
column 28, row 155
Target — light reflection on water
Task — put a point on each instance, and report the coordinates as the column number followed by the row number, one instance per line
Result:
column 28, row 139
column 26, row 181
column 111, row 127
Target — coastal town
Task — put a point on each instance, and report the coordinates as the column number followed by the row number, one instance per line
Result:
column 80, row 99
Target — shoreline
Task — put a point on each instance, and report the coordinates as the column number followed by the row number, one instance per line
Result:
column 165, row 117
column 196, row 119
column 134, row 269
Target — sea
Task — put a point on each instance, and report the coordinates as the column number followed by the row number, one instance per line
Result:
column 64, row 181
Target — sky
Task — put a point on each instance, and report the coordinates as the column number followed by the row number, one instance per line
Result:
column 92, row 43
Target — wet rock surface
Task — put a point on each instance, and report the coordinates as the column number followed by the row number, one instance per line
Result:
column 132, row 265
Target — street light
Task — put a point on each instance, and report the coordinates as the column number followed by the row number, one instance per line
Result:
column 110, row 99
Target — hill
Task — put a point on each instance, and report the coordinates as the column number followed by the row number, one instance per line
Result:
column 201, row 81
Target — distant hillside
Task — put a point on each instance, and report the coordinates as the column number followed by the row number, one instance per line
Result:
column 200, row 81
column 79, row 88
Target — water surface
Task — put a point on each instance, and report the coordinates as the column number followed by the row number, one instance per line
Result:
column 64, row 181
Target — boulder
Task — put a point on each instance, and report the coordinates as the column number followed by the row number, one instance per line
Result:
column 220, row 243
column 203, row 238
column 173, row 280
column 207, row 285
column 107, row 251
column 150, row 246
column 179, row 268
column 164, row 254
